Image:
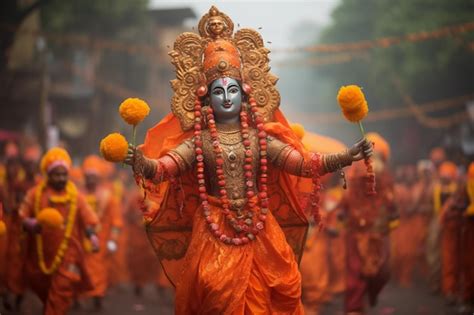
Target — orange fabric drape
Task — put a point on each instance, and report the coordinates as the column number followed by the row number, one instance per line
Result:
column 267, row 268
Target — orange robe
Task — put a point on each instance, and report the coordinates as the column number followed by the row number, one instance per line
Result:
column 117, row 262
column 405, row 240
column 57, row 290
column 451, row 250
column 108, row 210
column 261, row 277
column 139, row 251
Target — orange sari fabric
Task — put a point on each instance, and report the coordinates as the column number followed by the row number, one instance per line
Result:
column 214, row 278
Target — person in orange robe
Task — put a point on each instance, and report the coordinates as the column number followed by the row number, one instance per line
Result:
column 107, row 207
column 444, row 186
column 451, row 223
column 57, row 218
column 231, row 246
column 12, row 193
column 368, row 222
column 139, row 251
column 117, row 262
column 406, row 240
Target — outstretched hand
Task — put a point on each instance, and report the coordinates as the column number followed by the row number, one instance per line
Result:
column 361, row 150
column 141, row 165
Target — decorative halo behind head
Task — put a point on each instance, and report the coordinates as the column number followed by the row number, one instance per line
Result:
column 199, row 60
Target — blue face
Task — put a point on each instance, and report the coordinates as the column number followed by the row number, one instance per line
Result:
column 226, row 99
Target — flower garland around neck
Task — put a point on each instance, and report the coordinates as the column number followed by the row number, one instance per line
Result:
column 71, row 197
column 246, row 226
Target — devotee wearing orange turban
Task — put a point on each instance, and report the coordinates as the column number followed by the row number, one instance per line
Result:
column 107, row 208
column 57, row 218
column 368, row 220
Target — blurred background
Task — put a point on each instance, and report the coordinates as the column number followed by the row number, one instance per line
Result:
column 65, row 66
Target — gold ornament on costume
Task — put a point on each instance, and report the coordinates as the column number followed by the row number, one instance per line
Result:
column 200, row 59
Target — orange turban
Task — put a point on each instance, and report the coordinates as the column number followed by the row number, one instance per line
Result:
column 93, row 164
column 381, row 145
column 53, row 158
column 448, row 169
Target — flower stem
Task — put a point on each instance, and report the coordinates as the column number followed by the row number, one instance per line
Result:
column 361, row 127
column 134, row 135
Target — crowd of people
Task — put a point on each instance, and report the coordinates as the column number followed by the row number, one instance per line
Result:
column 417, row 229
column 420, row 223
column 70, row 233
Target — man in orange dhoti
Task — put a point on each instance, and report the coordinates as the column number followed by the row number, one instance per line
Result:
column 368, row 222
column 219, row 168
column 108, row 210
column 57, row 218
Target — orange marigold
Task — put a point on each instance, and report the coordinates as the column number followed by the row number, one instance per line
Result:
column 3, row 228
column 134, row 110
column 298, row 129
column 50, row 217
column 114, row 147
column 352, row 102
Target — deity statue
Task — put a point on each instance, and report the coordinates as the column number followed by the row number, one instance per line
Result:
column 229, row 231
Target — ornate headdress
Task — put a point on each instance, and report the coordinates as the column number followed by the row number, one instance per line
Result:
column 214, row 53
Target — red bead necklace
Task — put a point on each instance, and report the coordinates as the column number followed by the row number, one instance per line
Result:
column 248, row 226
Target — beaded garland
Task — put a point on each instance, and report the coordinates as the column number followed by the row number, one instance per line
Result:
column 247, row 227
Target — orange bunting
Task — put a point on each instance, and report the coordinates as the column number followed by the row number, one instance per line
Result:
column 50, row 217
column 352, row 102
column 114, row 147
column 134, row 110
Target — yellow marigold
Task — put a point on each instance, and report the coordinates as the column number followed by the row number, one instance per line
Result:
column 50, row 217
column 3, row 228
column 114, row 147
column 134, row 110
column 298, row 129
column 352, row 102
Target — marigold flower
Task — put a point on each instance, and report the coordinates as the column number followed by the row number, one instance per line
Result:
column 134, row 110
column 50, row 217
column 114, row 147
column 298, row 129
column 352, row 102
column 3, row 228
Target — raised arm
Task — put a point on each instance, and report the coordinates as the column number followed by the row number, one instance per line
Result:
column 173, row 163
column 290, row 160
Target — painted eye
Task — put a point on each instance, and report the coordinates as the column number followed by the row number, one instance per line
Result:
column 217, row 92
column 234, row 90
